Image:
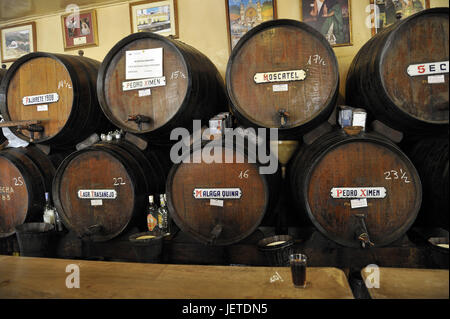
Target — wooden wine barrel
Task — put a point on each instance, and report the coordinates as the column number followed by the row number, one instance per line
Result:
column 430, row 157
column 401, row 74
column 264, row 77
column 2, row 137
column 221, row 203
column 102, row 190
column 153, row 102
column 25, row 175
column 337, row 173
column 59, row 91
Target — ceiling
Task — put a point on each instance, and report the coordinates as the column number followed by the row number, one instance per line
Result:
column 22, row 9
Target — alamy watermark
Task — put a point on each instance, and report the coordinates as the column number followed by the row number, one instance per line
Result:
column 373, row 277
column 240, row 145
column 73, row 279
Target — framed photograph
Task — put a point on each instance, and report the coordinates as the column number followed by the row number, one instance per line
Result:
column 154, row 16
column 332, row 18
column 386, row 12
column 80, row 31
column 243, row 15
column 17, row 40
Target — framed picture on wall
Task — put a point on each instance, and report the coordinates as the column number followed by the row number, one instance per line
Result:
column 386, row 12
column 154, row 16
column 332, row 18
column 243, row 15
column 79, row 30
column 17, row 40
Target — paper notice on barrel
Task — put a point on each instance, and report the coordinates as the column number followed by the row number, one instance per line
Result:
column 141, row 64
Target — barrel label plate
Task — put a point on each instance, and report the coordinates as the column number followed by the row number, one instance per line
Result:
column 358, row 192
column 141, row 64
column 143, row 84
column 280, row 76
column 217, row 193
column 427, row 68
column 358, row 203
column 97, row 194
column 40, row 99
column 434, row 79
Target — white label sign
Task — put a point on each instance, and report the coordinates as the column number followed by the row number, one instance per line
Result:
column 216, row 202
column 358, row 192
column 280, row 87
column 97, row 194
column 143, row 84
column 96, row 202
column 217, row 193
column 427, row 68
column 41, row 108
column 358, row 203
column 145, row 92
column 40, row 99
column 281, row 76
column 141, row 64
column 436, row 79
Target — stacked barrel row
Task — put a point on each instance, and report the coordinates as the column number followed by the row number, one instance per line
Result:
column 58, row 101
column 282, row 74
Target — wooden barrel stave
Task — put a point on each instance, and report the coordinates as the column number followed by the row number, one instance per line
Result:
column 237, row 218
column 378, row 78
column 336, row 160
column 71, row 119
column 193, row 89
column 283, row 45
column 430, row 157
column 26, row 174
column 120, row 166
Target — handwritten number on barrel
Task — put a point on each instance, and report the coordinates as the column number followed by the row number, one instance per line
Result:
column 404, row 176
column 243, row 174
column 396, row 175
column 118, row 181
column 18, row 181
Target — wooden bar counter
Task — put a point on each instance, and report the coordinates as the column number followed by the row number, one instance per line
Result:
column 409, row 283
column 27, row 277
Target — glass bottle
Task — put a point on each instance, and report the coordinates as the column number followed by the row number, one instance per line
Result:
column 152, row 213
column 163, row 215
column 49, row 213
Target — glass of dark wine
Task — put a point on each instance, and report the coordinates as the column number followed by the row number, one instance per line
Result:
column 298, row 269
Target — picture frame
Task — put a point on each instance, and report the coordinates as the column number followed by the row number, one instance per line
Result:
column 383, row 12
column 158, row 16
column 17, row 40
column 332, row 18
column 80, row 31
column 243, row 15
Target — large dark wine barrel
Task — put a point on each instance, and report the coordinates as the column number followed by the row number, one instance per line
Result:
column 430, row 157
column 264, row 77
column 59, row 91
column 401, row 74
column 25, row 175
column 374, row 169
column 221, row 203
column 102, row 190
column 187, row 87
